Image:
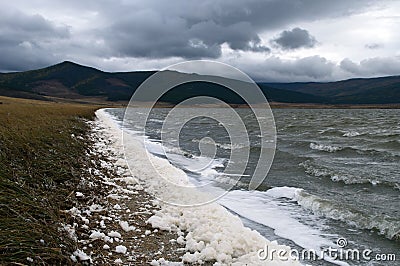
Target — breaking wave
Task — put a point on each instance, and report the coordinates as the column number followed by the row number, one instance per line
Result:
column 322, row 147
column 351, row 134
column 348, row 179
column 383, row 224
column 225, row 146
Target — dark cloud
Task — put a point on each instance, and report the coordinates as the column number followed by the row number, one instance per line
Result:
column 158, row 37
column 24, row 56
column 275, row 69
column 373, row 66
column 23, row 40
column 294, row 39
column 193, row 29
column 105, row 32
column 312, row 68
column 349, row 66
column 172, row 36
column 261, row 14
column 18, row 25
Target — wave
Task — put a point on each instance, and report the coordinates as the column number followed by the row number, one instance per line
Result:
column 225, row 146
column 351, row 134
column 319, row 171
column 266, row 208
column 325, row 130
column 202, row 223
column 383, row 151
column 369, row 133
column 322, row 147
column 384, row 225
column 280, row 209
column 156, row 120
column 330, row 131
column 348, row 179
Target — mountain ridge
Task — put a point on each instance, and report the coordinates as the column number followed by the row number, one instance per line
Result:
column 376, row 90
column 70, row 80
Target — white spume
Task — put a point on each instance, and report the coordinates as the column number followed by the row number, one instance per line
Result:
column 212, row 232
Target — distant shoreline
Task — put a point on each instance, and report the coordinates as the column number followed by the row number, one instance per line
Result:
column 280, row 105
column 335, row 106
column 102, row 101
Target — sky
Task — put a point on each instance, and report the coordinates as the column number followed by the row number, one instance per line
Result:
column 270, row 40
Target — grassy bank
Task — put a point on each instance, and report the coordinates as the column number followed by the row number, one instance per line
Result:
column 42, row 154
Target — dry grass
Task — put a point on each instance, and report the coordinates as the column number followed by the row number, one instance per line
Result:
column 40, row 165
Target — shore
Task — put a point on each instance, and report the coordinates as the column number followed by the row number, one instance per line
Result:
column 272, row 105
column 207, row 233
column 68, row 197
column 110, row 216
column 55, row 197
column 102, row 101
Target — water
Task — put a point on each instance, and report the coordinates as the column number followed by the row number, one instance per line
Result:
column 342, row 167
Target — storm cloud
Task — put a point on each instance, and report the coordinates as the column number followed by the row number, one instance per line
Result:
column 165, row 29
column 24, row 38
column 311, row 68
column 173, row 37
column 260, row 37
column 372, row 66
column 294, row 39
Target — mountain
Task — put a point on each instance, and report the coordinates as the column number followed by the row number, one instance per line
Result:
column 69, row 80
column 382, row 90
column 73, row 81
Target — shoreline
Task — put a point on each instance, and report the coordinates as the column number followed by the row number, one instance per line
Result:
column 110, row 215
column 91, row 209
column 104, row 103
column 209, row 232
column 272, row 105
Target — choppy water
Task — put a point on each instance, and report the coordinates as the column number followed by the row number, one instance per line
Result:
column 342, row 167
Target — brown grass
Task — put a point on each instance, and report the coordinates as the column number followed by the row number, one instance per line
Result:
column 40, row 165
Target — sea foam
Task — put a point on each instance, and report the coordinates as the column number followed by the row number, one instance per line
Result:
column 322, row 147
column 212, row 232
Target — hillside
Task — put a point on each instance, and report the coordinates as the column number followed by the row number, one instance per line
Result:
column 69, row 80
column 72, row 81
column 382, row 90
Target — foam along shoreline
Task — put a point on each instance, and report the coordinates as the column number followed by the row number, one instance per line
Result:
column 208, row 232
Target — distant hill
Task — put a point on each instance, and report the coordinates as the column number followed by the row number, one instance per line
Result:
column 72, row 81
column 69, row 80
column 383, row 90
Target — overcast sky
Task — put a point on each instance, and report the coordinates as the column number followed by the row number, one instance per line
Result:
column 270, row 40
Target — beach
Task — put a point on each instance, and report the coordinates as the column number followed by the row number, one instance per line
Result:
column 101, row 203
column 333, row 177
column 201, row 234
